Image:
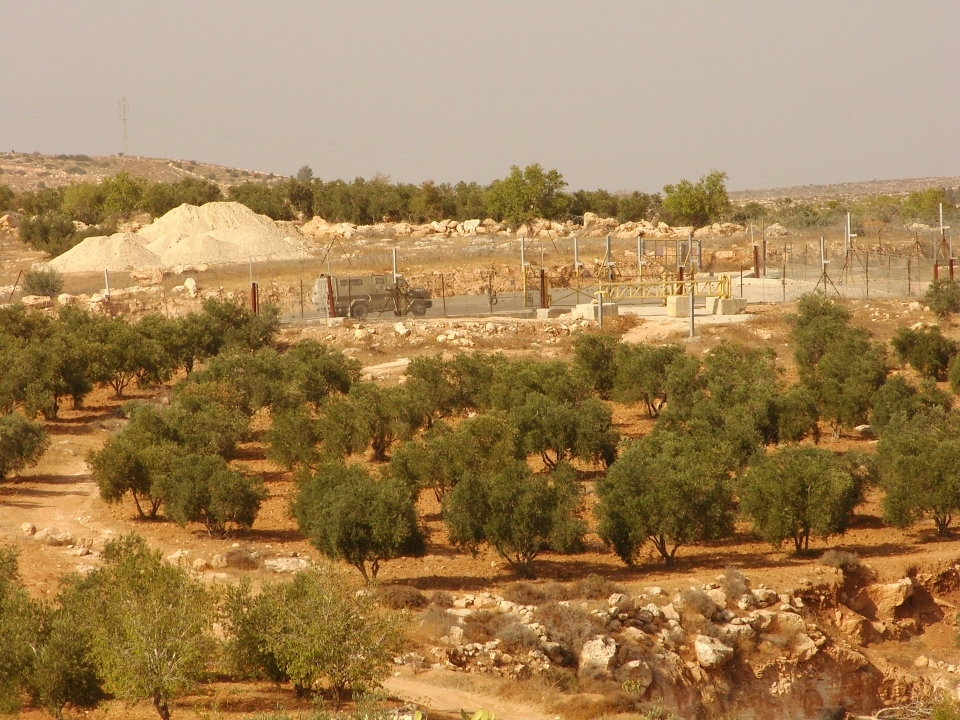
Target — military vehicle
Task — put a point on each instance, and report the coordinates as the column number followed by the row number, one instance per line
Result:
column 359, row 295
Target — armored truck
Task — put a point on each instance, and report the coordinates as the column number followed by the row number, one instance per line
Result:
column 359, row 295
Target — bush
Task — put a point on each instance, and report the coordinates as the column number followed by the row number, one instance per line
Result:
column 569, row 625
column 927, row 351
column 52, row 232
column 525, row 593
column 401, row 597
column 594, row 587
column 735, row 583
column 943, row 297
column 848, row 562
column 47, row 282
column 22, row 443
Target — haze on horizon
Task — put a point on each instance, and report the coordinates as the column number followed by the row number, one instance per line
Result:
column 618, row 95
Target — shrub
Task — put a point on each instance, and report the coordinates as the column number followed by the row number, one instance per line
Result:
column 39, row 281
column 22, row 443
column 569, row 625
column 442, row 599
column 848, row 562
column 943, row 297
column 401, row 597
column 526, row 593
column 735, row 583
column 51, row 232
column 927, row 351
column 594, row 587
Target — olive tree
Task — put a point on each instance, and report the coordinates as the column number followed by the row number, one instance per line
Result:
column 943, row 297
column 595, row 358
column 22, row 443
column 20, row 627
column 515, row 512
column 919, row 460
column 642, row 374
column 152, row 626
column 201, row 488
column 349, row 515
column 797, row 490
column 319, row 630
column 927, row 351
column 669, row 490
column 444, row 456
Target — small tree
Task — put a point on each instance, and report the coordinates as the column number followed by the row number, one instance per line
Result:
column 478, row 445
column 201, row 488
column 22, row 443
column 64, row 670
column 515, row 512
column 595, row 358
column 38, row 281
column 943, row 297
column 642, row 374
column 348, row 515
column 526, row 194
column 796, row 491
column 292, row 439
column 370, row 416
column 152, row 625
column 668, row 490
column 318, row 628
column 20, row 627
column 560, row 431
column 919, row 462
column 927, row 351
column 849, row 373
column 700, row 204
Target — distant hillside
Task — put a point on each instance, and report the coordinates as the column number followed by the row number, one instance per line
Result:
column 845, row 191
column 24, row 171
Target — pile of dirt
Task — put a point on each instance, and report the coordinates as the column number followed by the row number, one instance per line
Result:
column 212, row 234
column 117, row 252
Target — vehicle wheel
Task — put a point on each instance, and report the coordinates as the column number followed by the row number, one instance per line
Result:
column 418, row 309
column 359, row 311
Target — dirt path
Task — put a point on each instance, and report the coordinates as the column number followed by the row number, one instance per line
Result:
column 421, row 690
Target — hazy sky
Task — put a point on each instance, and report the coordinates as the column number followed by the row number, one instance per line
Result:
column 619, row 95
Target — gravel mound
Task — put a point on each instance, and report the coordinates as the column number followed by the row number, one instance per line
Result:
column 116, row 253
column 212, row 234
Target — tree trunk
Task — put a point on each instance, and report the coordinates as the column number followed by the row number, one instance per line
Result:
column 163, row 709
column 136, row 502
column 362, row 567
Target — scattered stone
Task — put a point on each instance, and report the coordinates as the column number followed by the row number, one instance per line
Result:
column 53, row 537
column 597, row 656
column 286, row 564
column 28, row 529
column 711, row 652
column 200, row 564
column 401, row 330
column 218, row 561
column 190, row 286
column 36, row 302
